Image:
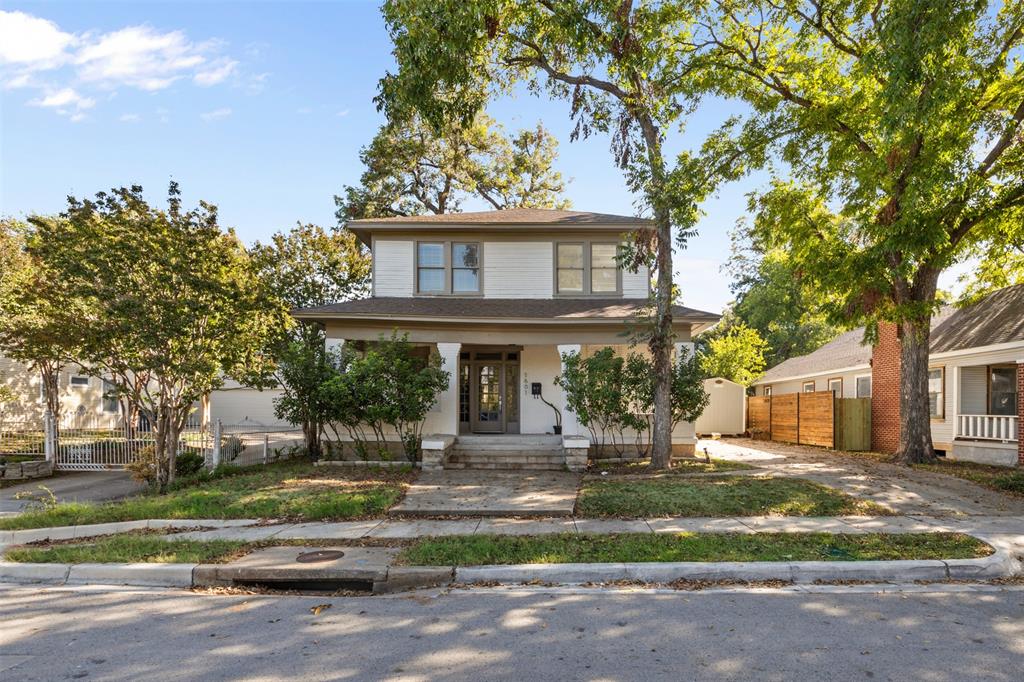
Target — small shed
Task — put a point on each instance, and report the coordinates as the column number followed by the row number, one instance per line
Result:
column 726, row 412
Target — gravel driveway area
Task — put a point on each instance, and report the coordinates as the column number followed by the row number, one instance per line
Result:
column 908, row 491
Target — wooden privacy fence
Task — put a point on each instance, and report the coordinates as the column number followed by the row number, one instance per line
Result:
column 811, row 419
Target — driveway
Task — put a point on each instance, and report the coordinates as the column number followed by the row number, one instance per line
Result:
column 73, row 486
column 908, row 491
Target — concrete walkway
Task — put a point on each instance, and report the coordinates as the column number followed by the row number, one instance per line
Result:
column 490, row 493
column 906, row 490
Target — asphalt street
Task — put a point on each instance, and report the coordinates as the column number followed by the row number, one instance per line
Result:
column 819, row 633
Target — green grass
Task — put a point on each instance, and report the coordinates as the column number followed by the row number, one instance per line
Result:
column 477, row 550
column 1002, row 479
column 685, row 466
column 292, row 490
column 726, row 496
column 129, row 549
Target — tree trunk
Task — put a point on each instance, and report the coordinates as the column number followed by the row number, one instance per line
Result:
column 311, row 433
column 661, row 348
column 915, row 413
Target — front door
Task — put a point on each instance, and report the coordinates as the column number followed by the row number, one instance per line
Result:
column 487, row 413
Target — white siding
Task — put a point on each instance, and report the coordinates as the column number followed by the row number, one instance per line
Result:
column 970, row 392
column 973, row 390
column 635, row 284
column 393, row 268
column 820, row 383
column 518, row 269
column 244, row 405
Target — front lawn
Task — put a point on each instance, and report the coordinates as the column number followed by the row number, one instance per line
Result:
column 679, row 466
column 1003, row 479
column 726, row 496
column 129, row 548
column 479, row 550
column 294, row 491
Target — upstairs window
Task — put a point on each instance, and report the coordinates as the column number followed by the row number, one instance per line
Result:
column 586, row 268
column 445, row 268
column 430, row 270
column 79, row 380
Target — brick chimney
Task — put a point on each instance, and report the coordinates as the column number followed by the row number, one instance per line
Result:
column 885, row 390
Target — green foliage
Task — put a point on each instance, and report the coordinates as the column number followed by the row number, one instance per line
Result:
column 389, row 386
column 999, row 265
column 771, row 299
column 188, row 463
column 309, row 266
column 737, row 355
column 611, row 394
column 162, row 303
column 31, row 306
column 410, row 169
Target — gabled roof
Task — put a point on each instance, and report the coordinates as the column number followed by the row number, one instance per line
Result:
column 997, row 318
column 543, row 310
column 511, row 216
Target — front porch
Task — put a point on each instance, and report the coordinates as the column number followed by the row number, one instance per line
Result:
column 987, row 420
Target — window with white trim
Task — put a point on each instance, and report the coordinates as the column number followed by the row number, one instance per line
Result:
column 808, row 387
column 111, row 403
column 864, row 386
column 836, row 386
column 937, row 392
column 768, row 391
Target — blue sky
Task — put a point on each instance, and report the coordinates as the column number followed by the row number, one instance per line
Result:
column 257, row 107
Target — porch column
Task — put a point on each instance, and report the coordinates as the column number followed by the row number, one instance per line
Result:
column 1020, row 412
column 570, row 422
column 448, row 400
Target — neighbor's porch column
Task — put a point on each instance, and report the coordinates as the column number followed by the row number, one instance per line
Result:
column 570, row 423
column 448, row 400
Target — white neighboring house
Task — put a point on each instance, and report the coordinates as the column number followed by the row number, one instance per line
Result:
column 976, row 370
column 235, row 404
column 502, row 295
column 81, row 396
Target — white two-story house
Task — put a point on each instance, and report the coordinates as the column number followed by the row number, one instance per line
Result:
column 502, row 295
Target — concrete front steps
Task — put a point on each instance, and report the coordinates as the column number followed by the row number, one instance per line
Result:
column 507, row 452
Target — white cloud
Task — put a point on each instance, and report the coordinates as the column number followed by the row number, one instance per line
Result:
column 343, row 113
column 257, row 83
column 31, row 42
column 130, row 118
column 140, row 57
column 216, row 73
column 62, row 99
column 216, row 114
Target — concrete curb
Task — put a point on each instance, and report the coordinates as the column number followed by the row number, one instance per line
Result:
column 998, row 565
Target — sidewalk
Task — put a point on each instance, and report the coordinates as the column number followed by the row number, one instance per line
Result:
column 1005, row 534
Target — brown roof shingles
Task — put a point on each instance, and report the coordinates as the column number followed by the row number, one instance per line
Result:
column 512, row 216
column 497, row 308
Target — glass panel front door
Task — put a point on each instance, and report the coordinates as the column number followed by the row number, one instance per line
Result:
column 487, row 416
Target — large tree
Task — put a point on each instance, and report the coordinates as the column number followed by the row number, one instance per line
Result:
column 30, row 309
column 623, row 69
column 411, row 169
column 161, row 294
column 308, row 266
column 900, row 130
column 770, row 298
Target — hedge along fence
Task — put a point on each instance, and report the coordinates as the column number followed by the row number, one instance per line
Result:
column 816, row 418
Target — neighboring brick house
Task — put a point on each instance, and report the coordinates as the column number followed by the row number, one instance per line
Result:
column 976, row 379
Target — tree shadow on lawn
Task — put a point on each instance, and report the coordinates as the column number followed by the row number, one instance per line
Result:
column 724, row 496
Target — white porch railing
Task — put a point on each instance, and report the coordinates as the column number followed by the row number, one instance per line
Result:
column 987, row 426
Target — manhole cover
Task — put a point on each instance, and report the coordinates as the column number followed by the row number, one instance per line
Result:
column 321, row 555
